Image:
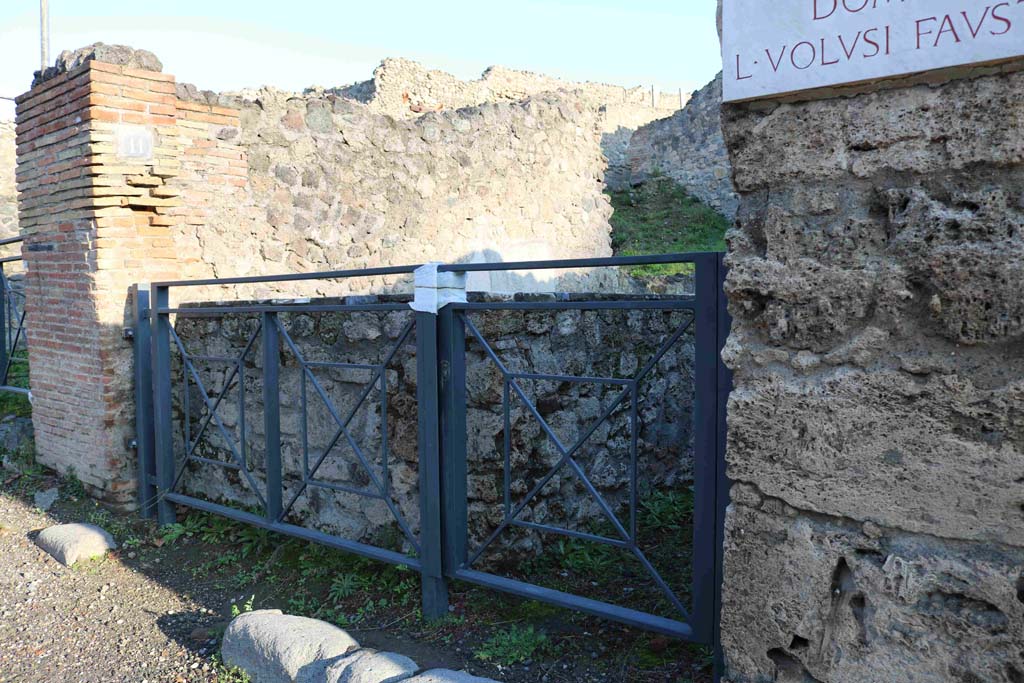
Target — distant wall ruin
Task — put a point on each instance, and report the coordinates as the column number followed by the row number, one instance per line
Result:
column 8, row 188
column 405, row 89
column 688, row 148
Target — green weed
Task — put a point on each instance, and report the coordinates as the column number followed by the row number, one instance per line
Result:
column 345, row 586
column 12, row 403
column 226, row 674
column 513, row 645
column 73, row 486
column 666, row 511
column 660, row 217
column 117, row 526
column 246, row 606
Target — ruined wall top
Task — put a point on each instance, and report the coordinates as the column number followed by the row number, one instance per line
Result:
column 404, row 89
column 119, row 55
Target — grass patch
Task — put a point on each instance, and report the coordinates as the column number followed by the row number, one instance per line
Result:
column 584, row 567
column 660, row 217
column 12, row 403
column 30, row 474
column 513, row 645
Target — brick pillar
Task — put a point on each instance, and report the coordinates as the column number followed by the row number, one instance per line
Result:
column 99, row 166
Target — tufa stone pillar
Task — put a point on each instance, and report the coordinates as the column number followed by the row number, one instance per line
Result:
column 876, row 430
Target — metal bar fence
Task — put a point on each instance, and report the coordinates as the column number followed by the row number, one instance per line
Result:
column 442, row 551
column 13, row 342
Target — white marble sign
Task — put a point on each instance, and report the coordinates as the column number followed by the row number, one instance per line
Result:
column 782, row 46
column 134, row 142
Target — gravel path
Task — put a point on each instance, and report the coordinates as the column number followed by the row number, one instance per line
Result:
column 101, row 622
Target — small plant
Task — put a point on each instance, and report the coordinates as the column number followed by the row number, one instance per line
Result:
column 588, row 558
column 246, row 606
column 663, row 511
column 253, row 540
column 190, row 527
column 401, row 582
column 216, row 530
column 244, row 578
column 513, row 645
column 118, row 527
column 333, row 616
column 132, row 543
column 73, row 486
column 172, row 532
column 345, row 586
column 29, row 471
column 443, row 630
column 302, row 605
column 226, row 674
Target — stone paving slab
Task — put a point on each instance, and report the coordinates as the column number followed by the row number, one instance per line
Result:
column 70, row 543
column 279, row 648
column 370, row 666
column 272, row 647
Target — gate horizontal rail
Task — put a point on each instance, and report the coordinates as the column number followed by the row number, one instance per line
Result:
column 441, row 551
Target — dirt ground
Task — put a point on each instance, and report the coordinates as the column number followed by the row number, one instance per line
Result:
column 101, row 622
column 155, row 611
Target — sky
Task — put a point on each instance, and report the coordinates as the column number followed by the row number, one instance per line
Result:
column 233, row 44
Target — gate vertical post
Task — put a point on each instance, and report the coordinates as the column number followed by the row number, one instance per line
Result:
column 723, row 484
column 272, row 414
column 705, row 446
column 6, row 341
column 161, row 379
column 143, row 359
column 452, row 351
column 435, row 592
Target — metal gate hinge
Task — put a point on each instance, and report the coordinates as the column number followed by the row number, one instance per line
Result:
column 128, row 334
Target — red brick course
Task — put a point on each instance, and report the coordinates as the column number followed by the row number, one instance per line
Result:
column 95, row 225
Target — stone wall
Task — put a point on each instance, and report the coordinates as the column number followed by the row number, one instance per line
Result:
column 688, row 147
column 876, row 432
column 327, row 183
column 581, row 343
column 405, row 89
column 8, row 188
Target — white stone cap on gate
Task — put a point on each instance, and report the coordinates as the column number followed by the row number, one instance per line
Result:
column 435, row 290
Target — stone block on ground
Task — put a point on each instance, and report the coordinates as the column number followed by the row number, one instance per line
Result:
column 44, row 500
column 446, row 676
column 369, row 666
column 278, row 648
column 69, row 543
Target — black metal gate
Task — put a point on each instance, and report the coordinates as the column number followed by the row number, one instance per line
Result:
column 443, row 549
column 13, row 343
